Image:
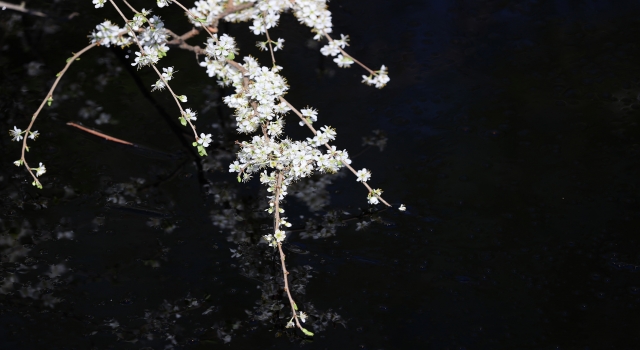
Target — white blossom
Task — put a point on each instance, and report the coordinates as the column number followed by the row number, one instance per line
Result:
column 16, row 134
column 189, row 114
column 40, row 170
column 204, row 140
column 363, row 175
column 343, row 61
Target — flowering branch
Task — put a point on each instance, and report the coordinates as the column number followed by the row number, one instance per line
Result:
column 372, row 193
column 17, row 134
column 277, row 222
column 257, row 99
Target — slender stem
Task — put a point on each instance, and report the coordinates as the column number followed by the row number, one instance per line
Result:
column 276, row 227
column 273, row 58
column 130, row 7
column 21, row 8
column 97, row 133
column 49, row 95
column 329, row 147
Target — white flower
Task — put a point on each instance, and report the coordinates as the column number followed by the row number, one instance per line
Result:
column 303, row 316
column 279, row 235
column 262, row 45
column 168, row 73
column 34, row 134
column 182, row 98
column 373, row 196
column 204, row 140
column 189, row 114
column 363, row 175
column 40, row 170
column 159, row 85
column 402, row 207
column 290, row 324
column 99, row 3
column 235, row 167
column 279, row 44
column 18, row 163
column 343, row 61
column 163, row 3
column 380, row 80
column 16, row 134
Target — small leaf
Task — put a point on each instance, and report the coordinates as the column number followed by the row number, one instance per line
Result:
column 306, row 332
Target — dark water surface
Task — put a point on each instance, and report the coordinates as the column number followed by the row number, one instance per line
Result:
column 512, row 137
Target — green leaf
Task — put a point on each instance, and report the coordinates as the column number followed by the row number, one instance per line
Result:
column 306, row 332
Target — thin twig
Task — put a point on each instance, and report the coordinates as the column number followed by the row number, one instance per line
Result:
column 21, row 8
column 273, row 58
column 97, row 133
column 276, row 227
column 49, row 97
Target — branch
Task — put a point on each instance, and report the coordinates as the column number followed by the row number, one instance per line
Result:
column 48, row 99
column 21, row 8
column 313, row 130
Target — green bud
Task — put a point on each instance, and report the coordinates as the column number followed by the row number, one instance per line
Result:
column 306, row 332
column 183, row 121
column 49, row 101
column 239, row 179
column 295, row 306
column 231, row 56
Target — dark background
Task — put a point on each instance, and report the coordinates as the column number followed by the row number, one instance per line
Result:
column 512, row 139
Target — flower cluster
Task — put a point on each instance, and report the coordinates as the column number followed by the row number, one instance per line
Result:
column 107, row 34
column 314, row 14
column 166, row 76
column 221, row 48
column 379, row 79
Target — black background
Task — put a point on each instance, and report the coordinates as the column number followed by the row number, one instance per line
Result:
column 512, row 139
